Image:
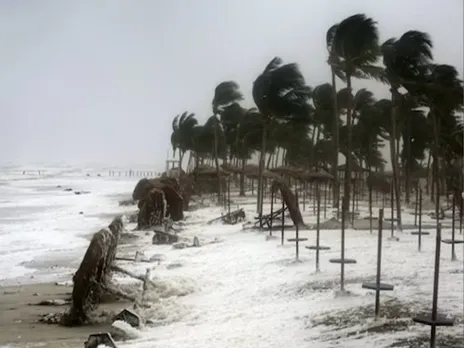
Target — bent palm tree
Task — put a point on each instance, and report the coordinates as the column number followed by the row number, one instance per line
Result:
column 406, row 62
column 225, row 94
column 353, row 49
column 280, row 93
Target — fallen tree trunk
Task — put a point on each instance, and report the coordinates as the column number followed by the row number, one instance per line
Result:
column 290, row 201
column 92, row 275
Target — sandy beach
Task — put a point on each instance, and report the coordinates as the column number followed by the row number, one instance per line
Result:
column 19, row 322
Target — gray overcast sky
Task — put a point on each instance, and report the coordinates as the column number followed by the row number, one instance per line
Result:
column 100, row 80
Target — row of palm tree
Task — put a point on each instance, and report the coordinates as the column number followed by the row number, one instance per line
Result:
column 308, row 127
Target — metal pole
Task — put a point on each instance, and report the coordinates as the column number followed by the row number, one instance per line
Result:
column 342, row 264
column 297, row 232
column 453, row 254
column 435, row 287
column 392, row 209
column 317, row 227
column 379, row 262
column 283, row 221
column 420, row 220
column 272, row 211
column 370, row 208
column 416, row 208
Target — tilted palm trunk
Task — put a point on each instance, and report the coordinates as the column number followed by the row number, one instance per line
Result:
column 216, row 160
column 242, row 179
column 436, row 163
column 407, row 167
column 261, row 172
column 394, row 159
column 347, row 180
column 336, row 145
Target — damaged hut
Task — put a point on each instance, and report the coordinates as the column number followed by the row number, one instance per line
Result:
column 158, row 199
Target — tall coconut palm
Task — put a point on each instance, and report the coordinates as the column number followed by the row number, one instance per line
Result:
column 353, row 49
column 406, row 62
column 225, row 94
column 280, row 93
column 333, row 62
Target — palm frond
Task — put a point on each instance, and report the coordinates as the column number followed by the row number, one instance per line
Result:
column 356, row 40
column 225, row 93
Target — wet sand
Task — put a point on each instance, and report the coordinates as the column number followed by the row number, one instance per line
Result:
column 19, row 325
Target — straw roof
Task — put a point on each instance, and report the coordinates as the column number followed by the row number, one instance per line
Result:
column 208, row 171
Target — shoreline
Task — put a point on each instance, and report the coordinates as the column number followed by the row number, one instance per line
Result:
column 19, row 322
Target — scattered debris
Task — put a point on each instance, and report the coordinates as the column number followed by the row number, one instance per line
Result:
column 97, row 340
column 130, row 317
column 230, row 218
column 58, row 302
column 161, row 237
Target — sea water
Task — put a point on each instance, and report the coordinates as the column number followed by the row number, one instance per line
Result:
column 44, row 226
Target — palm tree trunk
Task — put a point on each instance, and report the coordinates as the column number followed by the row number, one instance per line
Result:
column 429, row 160
column 181, row 158
column 189, row 164
column 242, row 179
column 407, row 167
column 394, row 159
column 336, row 143
column 261, row 172
column 269, row 160
column 216, row 160
column 347, row 180
column 276, row 158
column 436, row 163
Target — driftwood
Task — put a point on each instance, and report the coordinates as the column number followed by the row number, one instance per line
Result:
column 161, row 237
column 92, row 276
column 266, row 219
column 290, row 201
column 230, row 218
